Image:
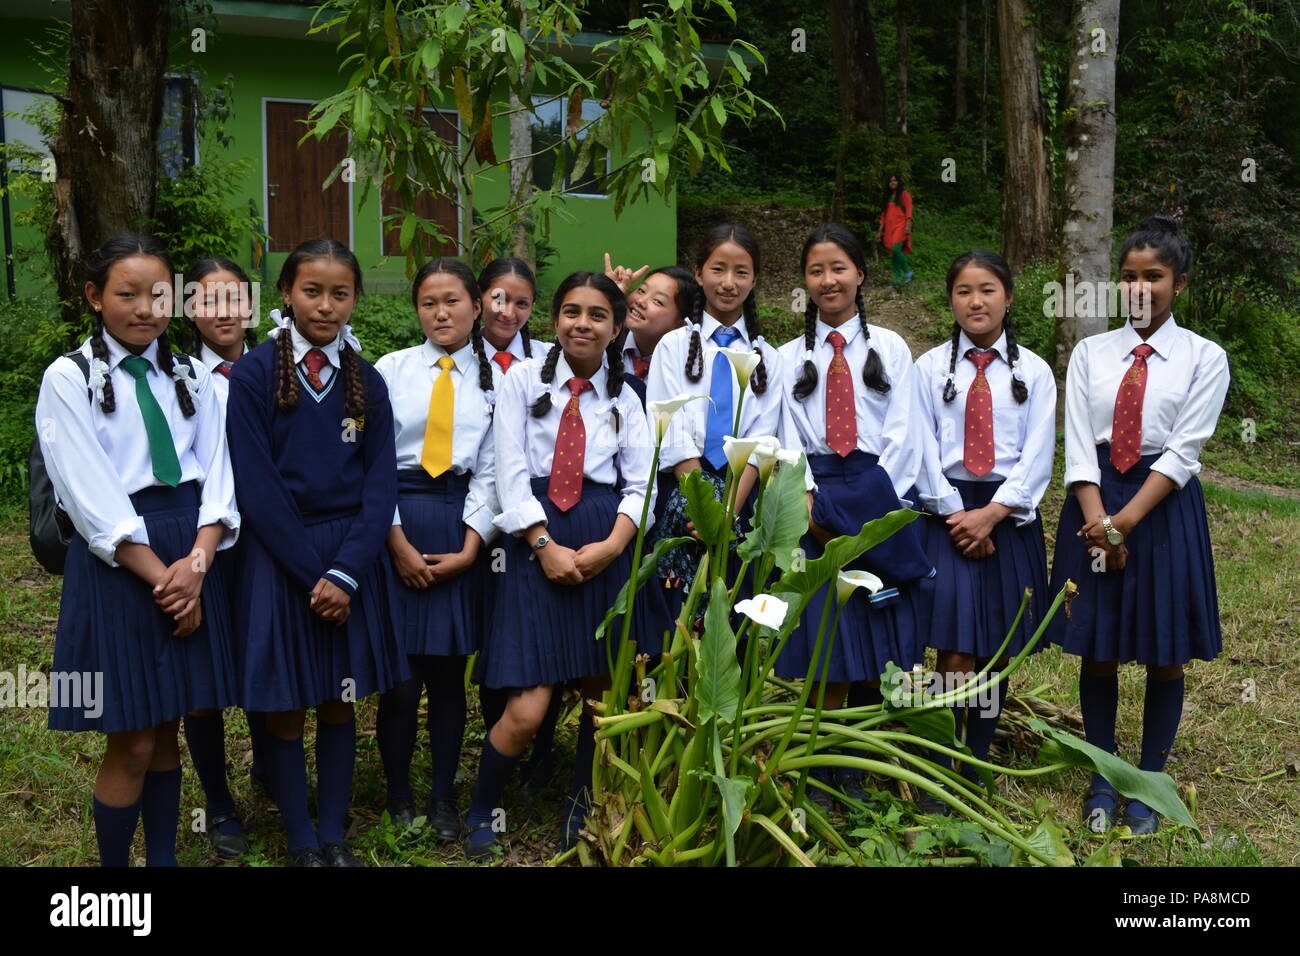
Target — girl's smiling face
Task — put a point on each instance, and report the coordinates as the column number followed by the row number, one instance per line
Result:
column 832, row 279
column 979, row 303
column 652, row 308
column 221, row 307
column 727, row 278
column 136, row 301
column 585, row 326
column 507, row 304
column 323, row 296
column 1148, row 285
column 447, row 311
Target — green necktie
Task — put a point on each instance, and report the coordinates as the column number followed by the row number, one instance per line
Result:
column 166, row 466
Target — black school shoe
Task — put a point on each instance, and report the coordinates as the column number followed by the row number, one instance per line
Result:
column 340, row 855
column 1097, row 816
column 229, row 846
column 1141, row 825
column 310, row 857
column 444, row 819
column 401, row 811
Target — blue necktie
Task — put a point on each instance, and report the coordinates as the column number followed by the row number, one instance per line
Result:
column 721, row 412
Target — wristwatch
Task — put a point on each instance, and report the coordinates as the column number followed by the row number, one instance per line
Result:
column 541, row 542
column 1112, row 534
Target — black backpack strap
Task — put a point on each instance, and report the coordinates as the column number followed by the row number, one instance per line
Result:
column 82, row 363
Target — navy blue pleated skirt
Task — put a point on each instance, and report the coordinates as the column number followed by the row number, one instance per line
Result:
column 290, row 659
column 443, row 620
column 1163, row 608
column 969, row 604
column 544, row 633
column 875, row 629
column 112, row 633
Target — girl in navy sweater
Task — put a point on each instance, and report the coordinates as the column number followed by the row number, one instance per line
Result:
column 311, row 434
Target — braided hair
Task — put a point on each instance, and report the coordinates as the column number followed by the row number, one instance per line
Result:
column 510, row 266
column 873, row 369
column 455, row 267
column 286, row 378
column 986, row 259
column 613, row 352
column 1161, row 232
column 196, row 274
column 727, row 232
column 97, row 267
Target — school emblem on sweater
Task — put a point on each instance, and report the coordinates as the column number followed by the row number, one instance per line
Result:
column 351, row 426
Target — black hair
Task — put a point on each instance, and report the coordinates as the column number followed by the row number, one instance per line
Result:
column 690, row 297
column 1161, row 233
column 727, row 232
column 461, row 271
column 286, row 378
column 96, row 268
column 893, row 193
column 200, row 271
column 986, row 259
column 873, row 369
column 510, row 266
column 613, row 352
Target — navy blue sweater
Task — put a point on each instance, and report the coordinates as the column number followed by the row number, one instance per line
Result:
column 289, row 463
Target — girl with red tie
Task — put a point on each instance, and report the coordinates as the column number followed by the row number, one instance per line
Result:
column 1140, row 403
column 567, row 433
column 509, row 292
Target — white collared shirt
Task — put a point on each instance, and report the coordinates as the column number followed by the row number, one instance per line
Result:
column 410, row 375
column 525, row 444
column 516, row 348
column 1187, row 381
column 301, row 347
column 760, row 414
column 1024, row 436
column 220, row 384
column 96, row 460
column 887, row 424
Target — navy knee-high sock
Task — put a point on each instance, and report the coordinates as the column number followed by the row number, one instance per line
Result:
column 114, row 831
column 544, row 741
column 205, row 734
column 257, row 735
column 446, row 723
column 1099, row 701
column 395, row 731
column 1162, row 709
column 981, row 724
column 160, row 812
column 494, row 770
column 287, row 769
column 959, row 719
column 492, row 704
column 584, row 754
column 336, row 753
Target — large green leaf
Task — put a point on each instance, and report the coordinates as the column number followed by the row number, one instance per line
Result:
column 782, row 519
column 703, row 507
column 649, row 564
column 718, row 689
column 733, row 791
column 1156, row 790
column 842, row 551
column 1049, row 839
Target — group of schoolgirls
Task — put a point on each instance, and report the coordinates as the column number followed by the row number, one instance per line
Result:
column 285, row 527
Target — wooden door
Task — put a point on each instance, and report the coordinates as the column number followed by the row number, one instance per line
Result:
column 296, row 208
column 428, row 206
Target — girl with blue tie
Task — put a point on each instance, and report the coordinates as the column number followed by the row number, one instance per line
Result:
column 988, row 407
column 1140, row 403
column 311, row 435
column 442, row 392
column 134, row 442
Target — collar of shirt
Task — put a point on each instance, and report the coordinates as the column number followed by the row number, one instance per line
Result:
column 849, row 330
column 964, row 345
column 515, row 347
column 632, row 352
column 301, row 347
column 1162, row 339
column 211, row 359
column 462, row 357
column 117, row 351
column 709, row 325
column 560, row 390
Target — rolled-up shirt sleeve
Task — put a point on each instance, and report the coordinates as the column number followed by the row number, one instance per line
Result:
column 1080, row 446
column 1196, row 420
column 667, row 380
column 934, row 493
column 520, row 509
column 217, row 502
column 635, row 457
column 1023, row 489
column 481, row 503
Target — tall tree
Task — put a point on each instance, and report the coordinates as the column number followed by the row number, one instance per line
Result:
column 858, row 77
column 1089, row 167
column 959, row 69
column 900, row 21
column 1026, row 183
column 984, row 102
column 106, row 148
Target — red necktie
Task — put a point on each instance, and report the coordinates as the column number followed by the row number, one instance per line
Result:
column 1126, row 431
column 978, row 449
column 224, row 368
column 565, row 486
column 503, row 359
column 841, row 412
column 640, row 366
column 315, row 360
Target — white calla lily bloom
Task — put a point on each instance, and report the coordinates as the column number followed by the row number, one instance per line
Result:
column 767, row 450
column 738, row 451
column 764, row 609
column 849, row 581
column 661, row 413
column 744, row 361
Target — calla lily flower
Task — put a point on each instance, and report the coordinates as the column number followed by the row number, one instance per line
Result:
column 767, row 450
column 764, row 609
column 744, row 361
column 738, row 451
column 849, row 581
column 661, row 413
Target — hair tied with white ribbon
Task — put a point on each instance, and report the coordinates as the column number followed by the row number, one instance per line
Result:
column 283, row 321
column 98, row 376
column 185, row 374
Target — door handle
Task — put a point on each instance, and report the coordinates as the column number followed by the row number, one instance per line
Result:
column 271, row 188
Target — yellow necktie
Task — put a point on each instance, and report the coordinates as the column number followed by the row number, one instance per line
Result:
column 436, row 454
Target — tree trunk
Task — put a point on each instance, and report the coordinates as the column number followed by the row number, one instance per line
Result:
column 521, row 144
column 1026, row 184
column 900, row 20
column 959, row 71
column 106, row 147
column 984, row 105
column 1089, row 169
column 858, row 77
